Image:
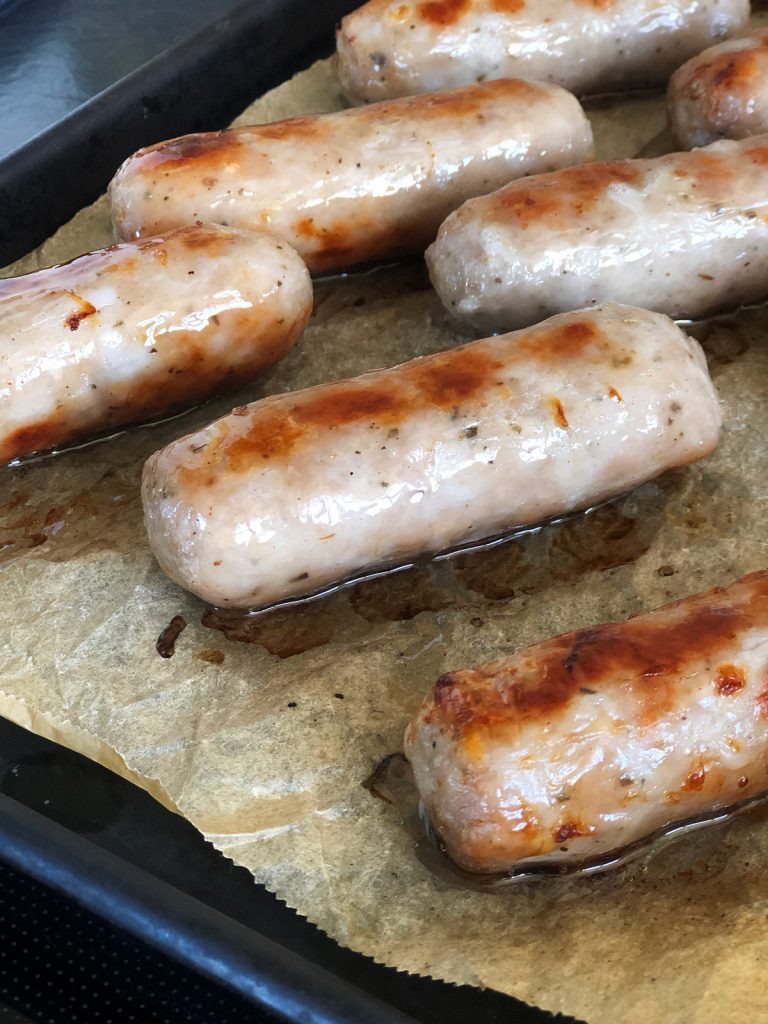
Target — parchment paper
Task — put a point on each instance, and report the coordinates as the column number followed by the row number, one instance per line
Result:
column 264, row 745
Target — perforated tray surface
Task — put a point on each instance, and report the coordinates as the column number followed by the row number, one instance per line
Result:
column 60, row 964
column 113, row 816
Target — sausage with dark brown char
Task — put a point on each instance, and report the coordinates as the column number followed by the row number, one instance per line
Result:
column 582, row 745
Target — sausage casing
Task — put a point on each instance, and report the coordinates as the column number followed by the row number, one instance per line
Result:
column 298, row 491
column 685, row 234
column 722, row 93
column 357, row 185
column 584, row 744
column 135, row 330
column 390, row 48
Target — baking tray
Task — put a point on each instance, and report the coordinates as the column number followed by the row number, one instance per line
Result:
column 69, row 822
column 201, row 84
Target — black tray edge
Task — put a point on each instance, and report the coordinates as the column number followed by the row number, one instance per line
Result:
column 213, row 73
column 182, row 927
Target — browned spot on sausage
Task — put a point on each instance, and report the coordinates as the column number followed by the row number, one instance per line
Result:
column 694, row 781
column 601, row 5
column 442, row 105
column 208, row 150
column 615, row 395
column 647, row 653
column 344, row 243
column 128, row 266
column 399, row 13
column 450, row 378
column 558, row 413
column 762, row 704
column 161, row 255
column 449, row 104
column 571, row 829
column 198, row 238
column 711, row 173
column 759, row 155
column 726, row 74
column 85, row 309
column 547, row 198
column 376, row 404
column 507, row 6
column 36, row 437
column 730, row 679
column 341, row 244
column 335, row 239
column 278, row 435
column 570, row 340
column 308, row 127
column 269, row 438
column 384, row 400
column 446, row 380
column 442, row 12
column 562, row 196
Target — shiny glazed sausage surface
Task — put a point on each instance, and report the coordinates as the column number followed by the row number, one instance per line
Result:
column 578, row 746
column 298, row 491
column 359, row 185
column 139, row 329
column 390, row 48
column 684, row 234
column 722, row 93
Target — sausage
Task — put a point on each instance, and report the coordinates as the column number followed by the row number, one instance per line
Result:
column 299, row 491
column 580, row 746
column 722, row 93
column 358, row 185
column 139, row 329
column 685, row 234
column 390, row 48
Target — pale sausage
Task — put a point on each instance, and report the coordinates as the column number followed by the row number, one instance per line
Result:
column 359, row 185
column 390, row 48
column 299, row 491
column 137, row 330
column 684, row 234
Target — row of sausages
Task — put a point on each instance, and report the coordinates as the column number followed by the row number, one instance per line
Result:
column 297, row 492
column 391, row 48
column 366, row 184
